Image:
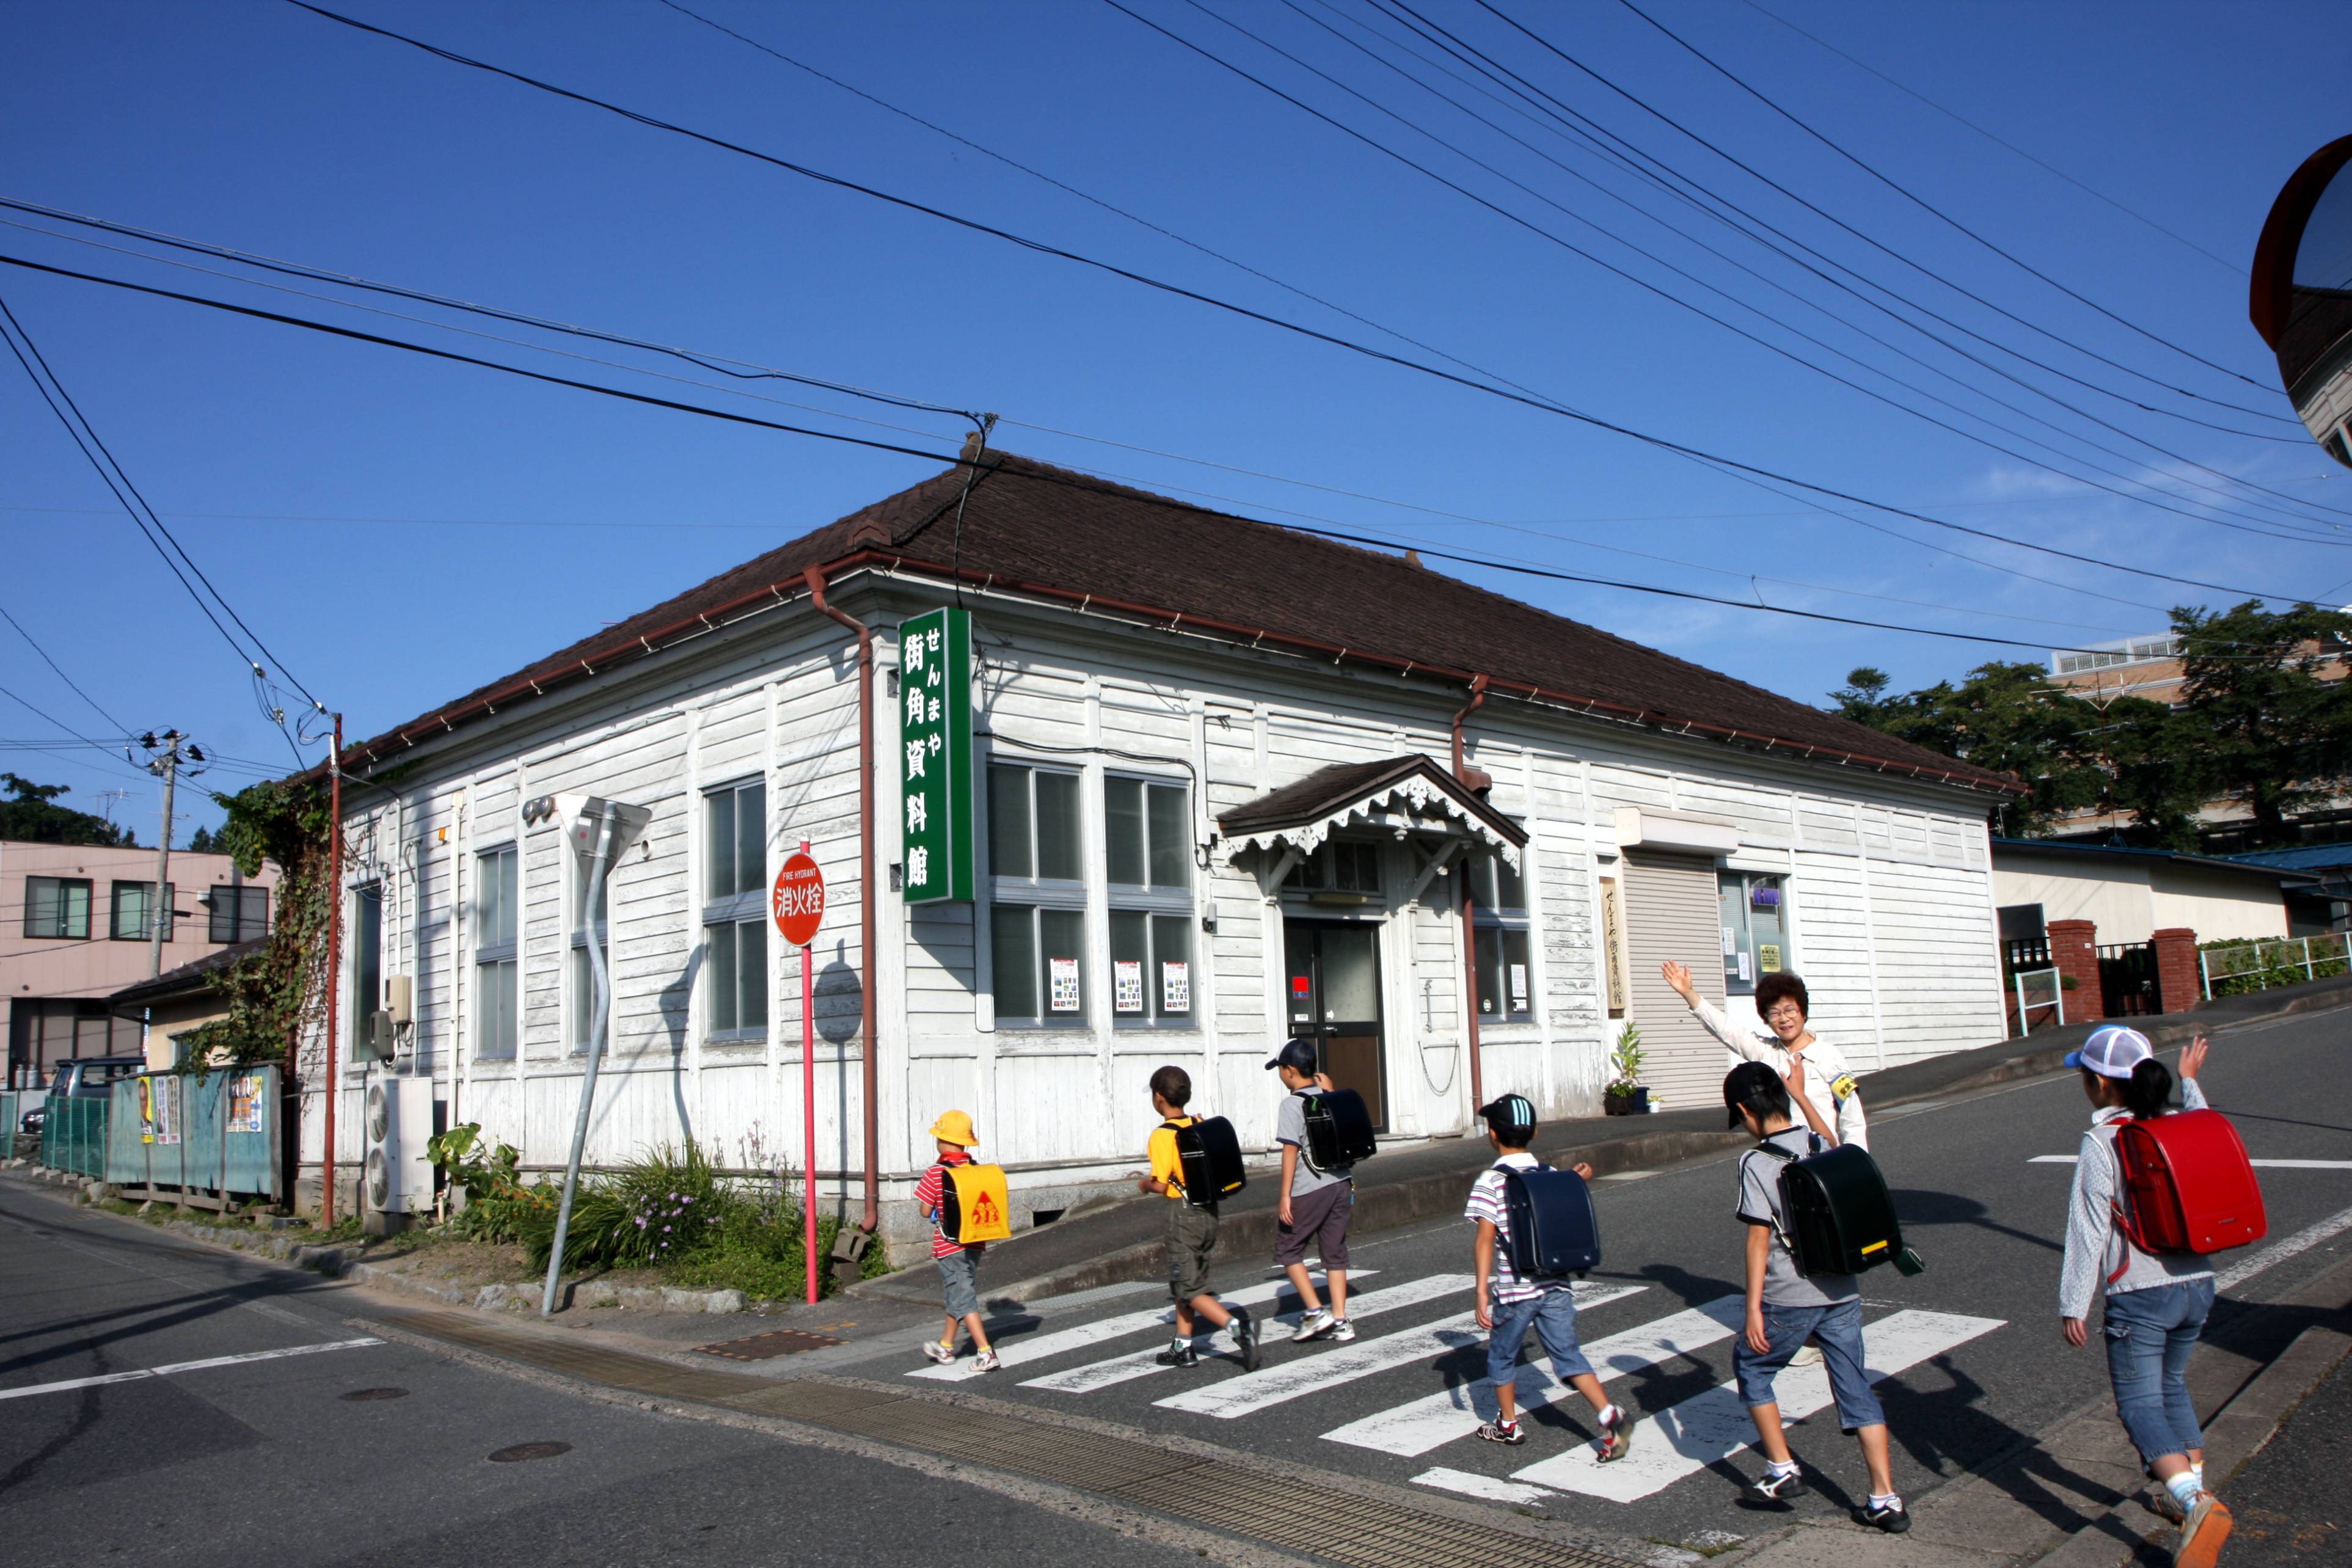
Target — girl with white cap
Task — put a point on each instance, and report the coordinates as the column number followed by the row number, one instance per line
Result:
column 2156, row 1302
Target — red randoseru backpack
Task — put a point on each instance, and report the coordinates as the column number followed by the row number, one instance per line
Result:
column 2193, row 1188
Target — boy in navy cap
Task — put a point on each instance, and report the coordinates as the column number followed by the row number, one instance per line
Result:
column 1317, row 1202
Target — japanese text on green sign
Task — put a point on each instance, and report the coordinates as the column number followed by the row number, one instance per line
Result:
column 935, row 747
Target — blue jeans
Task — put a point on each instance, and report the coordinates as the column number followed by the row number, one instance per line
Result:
column 1552, row 1315
column 1838, row 1330
column 2150, row 1336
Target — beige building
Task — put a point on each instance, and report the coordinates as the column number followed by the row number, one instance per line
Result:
column 2130, row 894
column 74, row 930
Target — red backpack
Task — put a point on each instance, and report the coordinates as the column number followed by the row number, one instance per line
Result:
column 2191, row 1186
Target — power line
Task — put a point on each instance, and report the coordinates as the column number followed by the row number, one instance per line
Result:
column 69, row 680
column 2234, row 269
column 1043, row 248
column 1069, row 481
column 52, row 718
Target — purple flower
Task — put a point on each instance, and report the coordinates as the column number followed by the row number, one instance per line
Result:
column 665, row 1227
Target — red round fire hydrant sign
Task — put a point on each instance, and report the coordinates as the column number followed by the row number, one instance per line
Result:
column 799, row 900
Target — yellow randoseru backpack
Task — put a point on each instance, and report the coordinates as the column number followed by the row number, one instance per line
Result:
column 976, row 1206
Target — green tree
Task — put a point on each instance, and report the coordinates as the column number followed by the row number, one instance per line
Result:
column 31, row 815
column 2006, row 717
column 2268, row 731
column 204, row 843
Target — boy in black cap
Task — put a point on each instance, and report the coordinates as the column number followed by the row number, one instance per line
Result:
column 1784, row 1307
column 1510, row 1306
column 1316, row 1204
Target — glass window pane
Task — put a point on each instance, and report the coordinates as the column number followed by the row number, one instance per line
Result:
column 583, row 998
column 1510, row 887
column 1490, row 972
column 1008, row 822
column 1058, row 839
column 751, row 838
column 1123, row 830
column 720, row 842
column 222, row 926
column 1518, row 977
column 77, row 905
column 1013, row 928
column 751, row 974
column 1171, row 838
column 1131, row 974
column 494, row 1024
column 1768, row 924
column 723, row 993
column 130, row 911
column 367, row 956
column 1739, row 955
column 1171, row 955
column 1358, row 865
column 1061, row 940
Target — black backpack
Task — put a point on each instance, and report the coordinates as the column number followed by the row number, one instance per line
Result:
column 1210, row 1156
column 1338, row 1128
column 1554, row 1232
column 1841, row 1217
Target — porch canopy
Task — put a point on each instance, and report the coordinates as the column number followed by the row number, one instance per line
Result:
column 1410, row 797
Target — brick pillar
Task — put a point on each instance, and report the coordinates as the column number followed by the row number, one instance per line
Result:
column 2178, row 987
column 2073, row 949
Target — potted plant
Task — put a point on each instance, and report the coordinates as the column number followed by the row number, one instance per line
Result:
column 1625, row 1096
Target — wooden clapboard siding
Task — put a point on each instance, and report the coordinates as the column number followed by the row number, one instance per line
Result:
column 1670, row 912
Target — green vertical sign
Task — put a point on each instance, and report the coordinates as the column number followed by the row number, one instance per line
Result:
column 935, row 752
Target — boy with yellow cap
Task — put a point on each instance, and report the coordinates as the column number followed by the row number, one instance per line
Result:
column 959, row 1264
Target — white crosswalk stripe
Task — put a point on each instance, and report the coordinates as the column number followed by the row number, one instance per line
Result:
column 1126, row 1368
column 1709, row 1427
column 1237, row 1397
column 1420, row 1424
column 1023, row 1349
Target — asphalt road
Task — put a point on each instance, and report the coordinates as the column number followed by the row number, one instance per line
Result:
column 2289, row 1502
column 271, row 1460
column 1981, row 1365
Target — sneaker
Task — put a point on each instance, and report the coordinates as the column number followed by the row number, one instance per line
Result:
column 1807, row 1354
column 1244, row 1334
column 1894, row 1519
column 1771, row 1487
column 2166, row 1507
column 1616, row 1437
column 1314, row 1325
column 1181, row 1355
column 2202, row 1533
column 987, row 1361
column 1501, row 1431
column 942, row 1353
column 1342, row 1332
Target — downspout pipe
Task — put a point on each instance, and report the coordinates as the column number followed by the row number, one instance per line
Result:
column 870, row 1071
column 1469, row 896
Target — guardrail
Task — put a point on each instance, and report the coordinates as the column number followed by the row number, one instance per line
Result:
column 2233, row 968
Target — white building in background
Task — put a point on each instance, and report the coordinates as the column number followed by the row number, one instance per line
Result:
column 1216, row 804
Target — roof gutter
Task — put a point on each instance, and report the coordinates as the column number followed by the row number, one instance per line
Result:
column 869, row 1071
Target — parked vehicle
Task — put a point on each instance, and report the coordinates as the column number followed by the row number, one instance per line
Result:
column 84, row 1078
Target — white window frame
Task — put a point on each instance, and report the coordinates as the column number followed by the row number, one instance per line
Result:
column 726, row 915
column 1745, row 933
column 1511, row 927
column 1155, row 902
column 1035, row 897
column 498, row 960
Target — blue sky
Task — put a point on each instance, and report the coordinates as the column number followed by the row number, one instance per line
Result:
column 399, row 531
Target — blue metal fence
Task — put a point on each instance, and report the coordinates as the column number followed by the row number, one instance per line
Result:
column 73, row 1135
column 201, row 1139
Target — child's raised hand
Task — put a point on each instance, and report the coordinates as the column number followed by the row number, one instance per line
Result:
column 1678, row 976
column 1581, row 1169
column 2192, row 1060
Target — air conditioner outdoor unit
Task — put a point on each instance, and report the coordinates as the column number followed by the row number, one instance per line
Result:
column 399, row 1121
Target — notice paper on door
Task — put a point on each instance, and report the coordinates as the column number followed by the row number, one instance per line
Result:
column 1063, row 976
column 1126, row 984
column 1175, row 986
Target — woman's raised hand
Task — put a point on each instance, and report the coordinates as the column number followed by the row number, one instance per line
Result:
column 1678, row 976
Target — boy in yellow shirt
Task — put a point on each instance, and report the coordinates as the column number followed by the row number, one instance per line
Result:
column 1192, row 1231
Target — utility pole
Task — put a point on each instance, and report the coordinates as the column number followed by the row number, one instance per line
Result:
column 165, row 754
column 334, row 966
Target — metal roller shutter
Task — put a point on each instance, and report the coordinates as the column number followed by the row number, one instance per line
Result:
column 1670, row 912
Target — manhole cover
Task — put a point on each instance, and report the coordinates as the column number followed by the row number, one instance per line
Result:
column 521, row 1451
column 362, row 1395
column 766, row 1347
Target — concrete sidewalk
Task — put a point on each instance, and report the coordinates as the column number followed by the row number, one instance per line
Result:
column 1121, row 1242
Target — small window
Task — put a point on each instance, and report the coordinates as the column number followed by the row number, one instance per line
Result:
column 1040, row 964
column 1150, row 841
column 1754, row 928
column 584, row 968
column 134, row 919
column 736, row 839
column 498, row 967
column 57, row 907
column 1505, row 974
column 239, row 913
column 1495, row 884
column 1338, row 866
column 1150, row 967
column 1033, row 824
column 367, row 958
column 735, row 910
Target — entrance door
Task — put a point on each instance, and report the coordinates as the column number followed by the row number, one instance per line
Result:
column 1334, row 979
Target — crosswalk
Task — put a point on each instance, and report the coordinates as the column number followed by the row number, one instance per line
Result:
column 1672, row 1444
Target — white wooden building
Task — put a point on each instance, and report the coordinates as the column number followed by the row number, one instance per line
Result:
column 1219, row 804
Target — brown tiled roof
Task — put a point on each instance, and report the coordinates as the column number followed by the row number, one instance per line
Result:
column 1327, row 790
column 1041, row 529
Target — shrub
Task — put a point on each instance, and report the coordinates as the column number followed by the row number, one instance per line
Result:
column 2238, row 964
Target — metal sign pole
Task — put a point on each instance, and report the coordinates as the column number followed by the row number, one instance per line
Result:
column 808, row 1113
column 604, row 992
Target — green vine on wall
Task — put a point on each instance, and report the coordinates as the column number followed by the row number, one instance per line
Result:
column 277, row 993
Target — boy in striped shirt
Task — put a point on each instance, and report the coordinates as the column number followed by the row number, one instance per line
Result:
column 959, row 1265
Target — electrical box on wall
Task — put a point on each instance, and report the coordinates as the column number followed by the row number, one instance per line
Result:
column 400, row 999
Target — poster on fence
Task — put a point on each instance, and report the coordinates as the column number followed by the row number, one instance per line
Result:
column 245, row 1103
column 158, row 1109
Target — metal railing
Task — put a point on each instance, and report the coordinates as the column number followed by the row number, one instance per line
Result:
column 2232, row 968
column 2024, row 954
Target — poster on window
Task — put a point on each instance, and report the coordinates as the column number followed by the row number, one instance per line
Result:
column 158, row 1109
column 1126, row 984
column 1768, row 957
column 1518, row 987
column 1746, row 973
column 245, row 1103
column 1730, row 941
column 1175, row 986
column 1062, row 974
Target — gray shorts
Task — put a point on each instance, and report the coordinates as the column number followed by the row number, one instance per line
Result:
column 1191, row 1238
column 1320, row 1219
column 960, row 1278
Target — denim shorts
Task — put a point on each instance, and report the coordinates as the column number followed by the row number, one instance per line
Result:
column 1838, row 1330
column 1552, row 1314
column 960, row 1278
column 2150, row 1337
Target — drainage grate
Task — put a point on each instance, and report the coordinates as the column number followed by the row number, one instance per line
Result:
column 767, row 1346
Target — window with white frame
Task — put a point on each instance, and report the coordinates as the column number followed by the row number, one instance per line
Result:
column 1754, row 928
column 1148, row 840
column 587, row 925
column 735, row 910
column 134, row 912
column 1506, row 975
column 498, row 963
column 1037, row 913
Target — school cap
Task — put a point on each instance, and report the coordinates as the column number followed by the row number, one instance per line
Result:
column 955, row 1127
column 2111, row 1052
column 1511, row 1113
column 1749, row 1083
column 1296, row 1054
